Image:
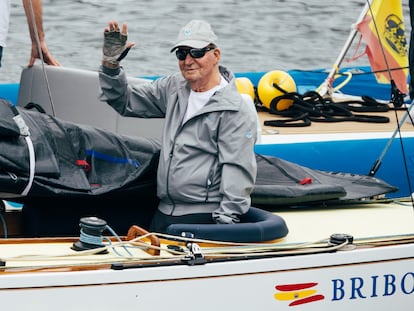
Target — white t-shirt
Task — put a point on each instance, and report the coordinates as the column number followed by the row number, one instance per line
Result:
column 197, row 100
column 4, row 20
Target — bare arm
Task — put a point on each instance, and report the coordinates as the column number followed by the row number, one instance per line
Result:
column 33, row 10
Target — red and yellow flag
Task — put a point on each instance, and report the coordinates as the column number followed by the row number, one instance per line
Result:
column 384, row 33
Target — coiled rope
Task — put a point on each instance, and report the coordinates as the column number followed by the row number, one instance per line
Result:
column 312, row 107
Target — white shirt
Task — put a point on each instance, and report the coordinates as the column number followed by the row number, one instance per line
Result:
column 197, row 100
column 4, row 20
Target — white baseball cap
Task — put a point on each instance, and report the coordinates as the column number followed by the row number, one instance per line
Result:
column 196, row 34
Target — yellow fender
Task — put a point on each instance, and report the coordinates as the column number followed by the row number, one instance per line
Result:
column 245, row 86
column 267, row 91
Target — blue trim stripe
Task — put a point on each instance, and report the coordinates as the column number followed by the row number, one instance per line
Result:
column 108, row 158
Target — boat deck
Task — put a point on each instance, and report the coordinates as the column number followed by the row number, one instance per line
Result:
column 338, row 127
column 360, row 220
column 380, row 221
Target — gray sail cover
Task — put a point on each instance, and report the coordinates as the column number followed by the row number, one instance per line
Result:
column 73, row 160
column 70, row 160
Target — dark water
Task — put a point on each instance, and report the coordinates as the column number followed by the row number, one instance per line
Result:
column 253, row 35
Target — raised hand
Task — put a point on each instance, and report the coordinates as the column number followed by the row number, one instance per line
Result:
column 116, row 45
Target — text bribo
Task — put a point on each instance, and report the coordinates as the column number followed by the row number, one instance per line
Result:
column 375, row 286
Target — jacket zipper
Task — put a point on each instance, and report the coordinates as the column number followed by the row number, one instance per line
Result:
column 170, row 156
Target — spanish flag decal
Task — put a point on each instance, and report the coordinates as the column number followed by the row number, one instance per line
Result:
column 298, row 294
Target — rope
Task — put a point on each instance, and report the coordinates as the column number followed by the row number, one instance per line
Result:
column 95, row 238
column 24, row 131
column 312, row 107
column 32, row 162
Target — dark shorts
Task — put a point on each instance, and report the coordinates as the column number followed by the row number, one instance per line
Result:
column 1, row 54
column 161, row 221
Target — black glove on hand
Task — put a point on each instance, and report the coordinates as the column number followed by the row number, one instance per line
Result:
column 114, row 48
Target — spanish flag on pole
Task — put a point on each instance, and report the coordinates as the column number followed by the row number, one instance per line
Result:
column 383, row 30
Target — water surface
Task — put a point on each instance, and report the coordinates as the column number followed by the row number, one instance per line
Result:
column 253, row 35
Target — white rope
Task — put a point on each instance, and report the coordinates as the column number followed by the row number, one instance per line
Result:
column 32, row 162
column 24, row 131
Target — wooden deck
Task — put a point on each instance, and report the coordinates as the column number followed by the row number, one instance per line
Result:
column 338, row 127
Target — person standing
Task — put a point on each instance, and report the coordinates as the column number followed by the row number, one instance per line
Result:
column 207, row 167
column 34, row 16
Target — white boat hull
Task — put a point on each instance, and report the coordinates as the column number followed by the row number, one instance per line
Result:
column 378, row 278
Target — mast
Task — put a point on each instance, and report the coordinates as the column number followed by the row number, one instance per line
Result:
column 325, row 87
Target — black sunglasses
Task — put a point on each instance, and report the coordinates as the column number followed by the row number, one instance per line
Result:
column 194, row 53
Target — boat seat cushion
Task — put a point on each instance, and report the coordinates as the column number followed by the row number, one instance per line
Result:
column 256, row 225
column 71, row 94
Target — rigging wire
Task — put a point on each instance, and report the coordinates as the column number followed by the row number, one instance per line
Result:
column 397, row 101
column 36, row 35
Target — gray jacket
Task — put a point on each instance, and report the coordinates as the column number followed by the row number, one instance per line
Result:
column 206, row 164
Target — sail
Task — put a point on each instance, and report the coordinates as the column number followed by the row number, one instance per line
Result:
column 383, row 30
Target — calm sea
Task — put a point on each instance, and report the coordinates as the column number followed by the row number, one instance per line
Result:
column 253, row 35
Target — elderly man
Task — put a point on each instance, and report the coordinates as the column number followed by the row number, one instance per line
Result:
column 207, row 167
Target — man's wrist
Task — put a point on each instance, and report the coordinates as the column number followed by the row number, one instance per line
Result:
column 109, row 64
